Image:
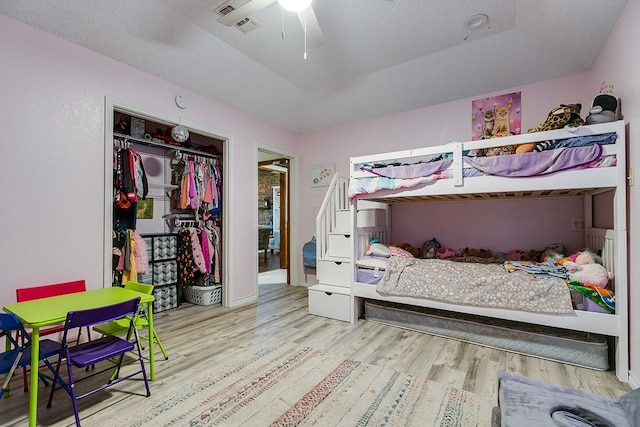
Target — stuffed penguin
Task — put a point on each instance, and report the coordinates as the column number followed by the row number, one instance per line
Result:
column 603, row 110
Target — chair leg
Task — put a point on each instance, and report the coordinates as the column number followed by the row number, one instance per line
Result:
column 157, row 340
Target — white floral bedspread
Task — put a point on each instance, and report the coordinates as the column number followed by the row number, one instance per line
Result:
column 484, row 285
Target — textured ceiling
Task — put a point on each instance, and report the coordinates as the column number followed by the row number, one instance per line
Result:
column 379, row 56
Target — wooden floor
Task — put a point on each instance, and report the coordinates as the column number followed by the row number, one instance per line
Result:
column 192, row 333
column 268, row 262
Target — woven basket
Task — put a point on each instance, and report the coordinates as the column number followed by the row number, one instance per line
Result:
column 203, row 295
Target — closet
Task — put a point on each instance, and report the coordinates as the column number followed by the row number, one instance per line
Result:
column 167, row 210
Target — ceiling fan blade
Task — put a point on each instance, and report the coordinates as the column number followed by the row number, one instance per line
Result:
column 314, row 34
column 244, row 11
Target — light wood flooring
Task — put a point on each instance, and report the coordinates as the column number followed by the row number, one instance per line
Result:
column 192, row 333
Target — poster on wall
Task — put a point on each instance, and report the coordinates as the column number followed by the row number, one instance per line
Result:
column 321, row 175
column 495, row 116
column 145, row 209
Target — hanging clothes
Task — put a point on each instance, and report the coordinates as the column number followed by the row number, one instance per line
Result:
column 186, row 265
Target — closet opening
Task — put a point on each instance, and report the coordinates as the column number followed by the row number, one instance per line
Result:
column 163, row 207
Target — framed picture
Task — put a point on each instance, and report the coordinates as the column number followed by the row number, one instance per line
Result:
column 496, row 116
column 145, row 209
column 137, row 127
column 321, row 175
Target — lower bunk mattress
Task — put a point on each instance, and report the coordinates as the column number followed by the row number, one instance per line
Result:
column 572, row 347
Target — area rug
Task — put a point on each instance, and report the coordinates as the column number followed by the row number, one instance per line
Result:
column 280, row 384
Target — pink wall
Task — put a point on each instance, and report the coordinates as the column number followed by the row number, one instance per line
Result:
column 499, row 225
column 53, row 157
column 619, row 65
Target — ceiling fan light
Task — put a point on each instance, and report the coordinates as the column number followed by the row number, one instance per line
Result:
column 295, row 5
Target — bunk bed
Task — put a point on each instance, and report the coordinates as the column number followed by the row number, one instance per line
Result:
column 582, row 162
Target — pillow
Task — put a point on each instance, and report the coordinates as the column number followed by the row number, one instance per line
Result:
column 372, row 262
column 378, row 249
column 395, row 251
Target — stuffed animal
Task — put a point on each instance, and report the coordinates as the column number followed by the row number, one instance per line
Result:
column 478, row 253
column 589, row 274
column 445, row 253
column 429, row 248
column 603, row 110
column 584, row 267
column 565, row 115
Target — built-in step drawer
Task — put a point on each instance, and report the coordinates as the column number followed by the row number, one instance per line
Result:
column 337, row 273
column 339, row 246
column 372, row 218
column 330, row 301
column 343, row 221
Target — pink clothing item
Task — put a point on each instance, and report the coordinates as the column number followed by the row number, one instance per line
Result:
column 193, row 193
column 205, row 250
column 198, row 258
column 140, row 254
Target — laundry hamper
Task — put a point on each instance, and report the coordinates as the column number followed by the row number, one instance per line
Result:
column 203, row 295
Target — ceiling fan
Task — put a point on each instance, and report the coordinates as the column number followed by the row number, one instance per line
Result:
column 307, row 18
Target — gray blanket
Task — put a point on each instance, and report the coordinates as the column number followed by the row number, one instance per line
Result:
column 483, row 285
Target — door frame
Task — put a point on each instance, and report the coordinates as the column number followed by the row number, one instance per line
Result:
column 291, row 232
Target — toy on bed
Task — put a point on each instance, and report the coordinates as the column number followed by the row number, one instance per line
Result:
column 605, row 108
column 586, row 270
column 430, row 248
column 566, row 115
column 589, row 278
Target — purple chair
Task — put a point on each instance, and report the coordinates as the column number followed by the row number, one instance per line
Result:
column 88, row 354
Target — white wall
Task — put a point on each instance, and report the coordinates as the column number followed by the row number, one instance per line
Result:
column 53, row 155
column 619, row 65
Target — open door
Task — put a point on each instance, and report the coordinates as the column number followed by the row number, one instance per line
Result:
column 274, row 210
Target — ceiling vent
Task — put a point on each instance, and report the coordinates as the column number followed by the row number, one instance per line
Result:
column 245, row 25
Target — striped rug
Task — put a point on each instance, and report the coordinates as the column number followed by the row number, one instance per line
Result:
column 277, row 383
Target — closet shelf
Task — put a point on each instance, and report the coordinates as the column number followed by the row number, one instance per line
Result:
column 164, row 145
column 163, row 186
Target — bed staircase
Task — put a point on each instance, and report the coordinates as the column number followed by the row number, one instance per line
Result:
column 331, row 297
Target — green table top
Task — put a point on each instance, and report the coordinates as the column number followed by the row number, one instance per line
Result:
column 52, row 310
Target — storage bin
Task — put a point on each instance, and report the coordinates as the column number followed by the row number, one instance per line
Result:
column 203, row 295
column 330, row 301
column 166, row 298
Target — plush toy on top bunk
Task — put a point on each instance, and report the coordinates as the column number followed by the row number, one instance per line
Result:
column 605, row 108
column 566, row 115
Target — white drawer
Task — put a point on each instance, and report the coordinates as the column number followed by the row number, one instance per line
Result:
column 343, row 221
column 371, row 218
column 330, row 301
column 339, row 245
column 334, row 272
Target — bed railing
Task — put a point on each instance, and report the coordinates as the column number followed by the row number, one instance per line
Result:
column 456, row 150
column 336, row 199
column 603, row 242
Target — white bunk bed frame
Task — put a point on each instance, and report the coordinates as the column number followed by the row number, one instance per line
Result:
column 572, row 183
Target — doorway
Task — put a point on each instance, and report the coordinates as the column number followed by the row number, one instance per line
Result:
column 273, row 218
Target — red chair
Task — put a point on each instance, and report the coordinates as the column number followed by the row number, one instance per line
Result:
column 37, row 292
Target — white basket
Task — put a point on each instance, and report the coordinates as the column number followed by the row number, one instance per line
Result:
column 203, row 295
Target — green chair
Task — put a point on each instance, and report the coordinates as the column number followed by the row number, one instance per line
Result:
column 121, row 326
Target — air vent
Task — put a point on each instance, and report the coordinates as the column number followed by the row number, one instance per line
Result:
column 227, row 8
column 247, row 25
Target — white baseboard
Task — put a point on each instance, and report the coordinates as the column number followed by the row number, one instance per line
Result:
column 634, row 380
